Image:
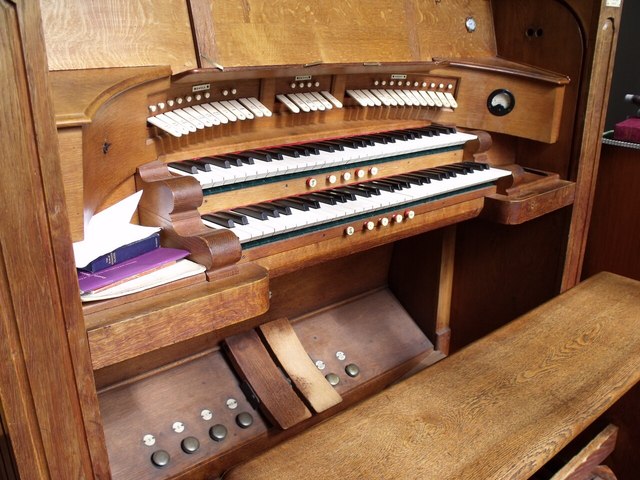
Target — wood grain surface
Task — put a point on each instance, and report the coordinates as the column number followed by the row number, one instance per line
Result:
column 498, row 409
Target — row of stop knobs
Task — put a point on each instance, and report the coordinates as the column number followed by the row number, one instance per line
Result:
column 346, row 176
column 370, row 225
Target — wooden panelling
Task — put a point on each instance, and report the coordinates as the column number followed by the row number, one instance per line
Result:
column 46, row 383
column 615, row 225
column 117, row 33
column 261, row 32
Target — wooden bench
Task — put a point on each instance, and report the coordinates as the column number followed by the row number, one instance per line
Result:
column 498, row 409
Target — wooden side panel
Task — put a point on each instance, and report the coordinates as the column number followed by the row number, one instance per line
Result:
column 46, row 383
column 596, row 94
column 117, row 33
column 263, row 32
column 615, row 225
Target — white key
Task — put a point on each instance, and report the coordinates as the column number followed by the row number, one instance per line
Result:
column 311, row 99
column 327, row 104
column 232, row 108
column 416, row 96
column 384, row 99
column 163, row 125
column 308, row 102
column 265, row 111
column 199, row 116
column 288, row 103
column 241, row 108
column 248, row 104
column 452, row 101
column 407, row 100
column 215, row 112
column 443, row 99
column 427, row 98
column 181, row 121
column 336, row 103
column 302, row 105
column 435, row 98
column 357, row 96
column 189, row 118
column 372, row 98
column 224, row 111
column 205, row 113
column 395, row 96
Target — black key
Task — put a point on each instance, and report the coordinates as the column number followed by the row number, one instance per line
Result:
column 183, row 167
column 391, row 183
column 217, row 161
column 461, row 169
column 420, row 178
column 301, row 149
column 372, row 189
column 382, row 186
column 251, row 212
column 431, row 175
column 367, row 142
column 288, row 203
column 343, row 143
column 427, row 132
column 445, row 173
column 319, row 197
column 341, row 197
column 381, row 138
column 222, row 221
column 307, row 201
column 398, row 136
column 257, row 155
column 415, row 180
column 325, row 147
column 203, row 167
column 269, row 209
column 335, row 146
column 284, row 151
column 280, row 209
column 244, row 158
column 443, row 129
column 360, row 192
column 477, row 165
column 274, row 155
column 234, row 160
column 236, row 217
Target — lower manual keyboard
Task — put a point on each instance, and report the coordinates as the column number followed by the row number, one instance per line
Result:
column 298, row 213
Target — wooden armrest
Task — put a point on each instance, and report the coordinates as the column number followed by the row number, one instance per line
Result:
column 500, row 408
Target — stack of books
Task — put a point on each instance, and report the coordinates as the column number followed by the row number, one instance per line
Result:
column 118, row 258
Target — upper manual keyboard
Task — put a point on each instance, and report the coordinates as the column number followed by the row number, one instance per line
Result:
column 250, row 165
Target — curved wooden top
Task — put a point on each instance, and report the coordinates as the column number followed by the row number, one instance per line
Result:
column 498, row 409
column 78, row 94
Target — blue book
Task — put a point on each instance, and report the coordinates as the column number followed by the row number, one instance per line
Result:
column 124, row 253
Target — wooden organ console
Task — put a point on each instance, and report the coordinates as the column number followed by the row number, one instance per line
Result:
column 364, row 182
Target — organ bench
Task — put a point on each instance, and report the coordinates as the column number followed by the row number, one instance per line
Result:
column 499, row 409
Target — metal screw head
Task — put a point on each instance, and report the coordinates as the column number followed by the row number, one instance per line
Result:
column 149, row 440
column 333, row 379
column 340, row 356
column 232, row 403
column 471, row 24
column 320, row 364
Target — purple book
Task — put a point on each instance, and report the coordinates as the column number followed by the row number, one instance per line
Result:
column 134, row 267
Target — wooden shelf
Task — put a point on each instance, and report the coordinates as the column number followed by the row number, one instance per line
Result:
column 128, row 330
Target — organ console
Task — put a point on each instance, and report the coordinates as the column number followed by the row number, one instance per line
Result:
column 364, row 183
